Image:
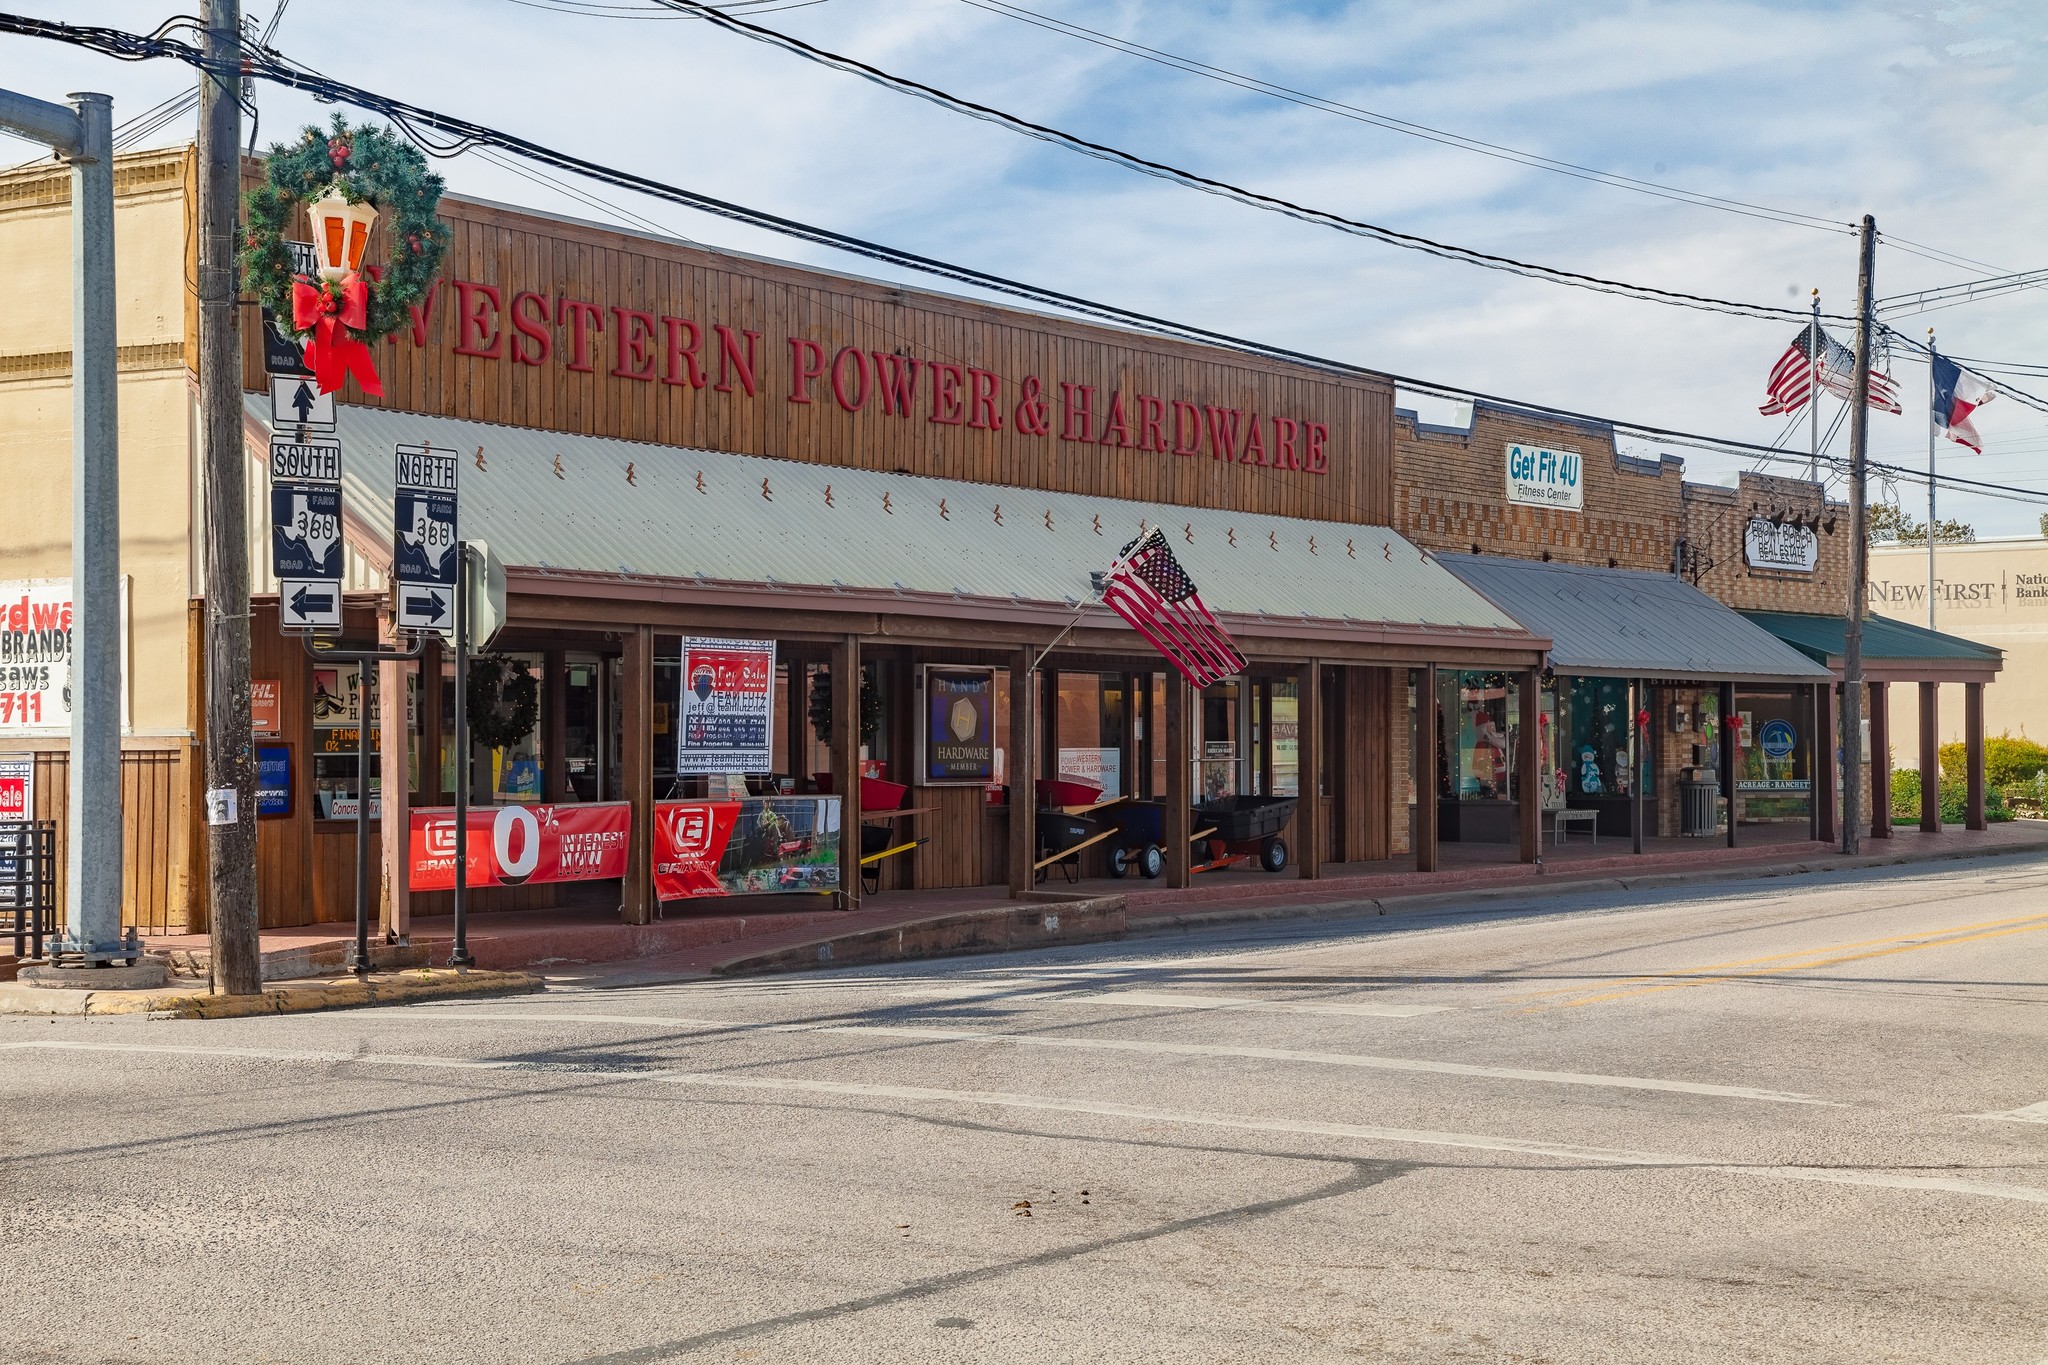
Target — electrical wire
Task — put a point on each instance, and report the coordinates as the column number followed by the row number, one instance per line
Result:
column 132, row 47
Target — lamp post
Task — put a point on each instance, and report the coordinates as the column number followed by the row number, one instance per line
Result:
column 341, row 230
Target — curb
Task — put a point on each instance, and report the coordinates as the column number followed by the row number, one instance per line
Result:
column 301, row 998
column 1148, row 925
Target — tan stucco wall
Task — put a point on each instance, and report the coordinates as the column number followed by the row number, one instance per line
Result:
column 155, row 409
column 1994, row 592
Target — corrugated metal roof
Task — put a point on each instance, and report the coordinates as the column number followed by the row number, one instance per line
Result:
column 550, row 501
column 1824, row 637
column 1623, row 623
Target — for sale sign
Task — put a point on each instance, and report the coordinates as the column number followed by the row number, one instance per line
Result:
column 728, row 704
column 514, row 845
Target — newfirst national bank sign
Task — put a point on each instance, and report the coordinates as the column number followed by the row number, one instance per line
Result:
column 1546, row 478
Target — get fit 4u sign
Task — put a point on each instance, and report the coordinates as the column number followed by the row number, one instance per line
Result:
column 734, row 363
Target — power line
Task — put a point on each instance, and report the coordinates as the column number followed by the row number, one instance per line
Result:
column 409, row 118
column 1226, row 190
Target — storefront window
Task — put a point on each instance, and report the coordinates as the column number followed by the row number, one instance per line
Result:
column 1285, row 778
column 1772, row 770
column 1090, row 730
column 1596, row 761
column 1219, row 741
column 1477, row 715
column 337, row 710
column 582, row 721
column 514, row 773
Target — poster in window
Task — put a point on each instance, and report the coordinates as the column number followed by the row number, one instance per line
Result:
column 959, row 735
column 273, row 781
column 728, row 705
column 35, row 655
column 17, row 787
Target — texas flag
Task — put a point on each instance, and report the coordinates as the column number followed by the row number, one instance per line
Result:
column 1957, row 394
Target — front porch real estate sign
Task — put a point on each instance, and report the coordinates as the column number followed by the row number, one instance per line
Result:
column 1545, row 478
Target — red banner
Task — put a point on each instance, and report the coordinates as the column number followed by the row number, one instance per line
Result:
column 514, row 845
column 760, row 845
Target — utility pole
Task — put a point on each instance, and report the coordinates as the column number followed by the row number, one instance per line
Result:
column 1930, row 478
column 1859, row 549
column 230, row 757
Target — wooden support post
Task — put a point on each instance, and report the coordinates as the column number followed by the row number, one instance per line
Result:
column 1826, row 766
column 394, row 791
column 1973, row 755
column 1930, row 758
column 1728, row 755
column 1308, row 810
column 1179, row 777
column 846, row 764
column 1425, row 769
column 1880, row 761
column 1529, row 765
column 1638, row 736
column 637, row 904
column 1022, row 762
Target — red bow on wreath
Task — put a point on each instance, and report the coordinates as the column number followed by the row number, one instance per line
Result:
column 328, row 312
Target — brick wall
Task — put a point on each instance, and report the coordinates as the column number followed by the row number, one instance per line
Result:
column 1451, row 493
column 1716, row 518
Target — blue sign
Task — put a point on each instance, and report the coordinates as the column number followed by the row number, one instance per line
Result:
column 305, row 520
column 1777, row 738
column 273, row 780
column 425, row 541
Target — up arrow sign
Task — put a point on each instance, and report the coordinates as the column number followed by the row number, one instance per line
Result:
column 296, row 402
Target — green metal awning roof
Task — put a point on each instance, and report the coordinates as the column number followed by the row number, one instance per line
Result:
column 1892, row 650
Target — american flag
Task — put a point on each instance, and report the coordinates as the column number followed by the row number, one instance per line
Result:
column 1147, row 587
column 1791, row 381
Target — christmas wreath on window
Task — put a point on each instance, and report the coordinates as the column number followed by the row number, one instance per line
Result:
column 504, row 701
column 338, row 319
column 821, row 706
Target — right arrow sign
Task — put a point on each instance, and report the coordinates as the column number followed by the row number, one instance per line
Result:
column 425, row 538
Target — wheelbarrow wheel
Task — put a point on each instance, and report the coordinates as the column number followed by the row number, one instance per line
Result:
column 1152, row 862
column 1273, row 854
column 1119, row 863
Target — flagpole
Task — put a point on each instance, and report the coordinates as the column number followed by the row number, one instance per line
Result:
column 1930, row 478
column 1813, row 394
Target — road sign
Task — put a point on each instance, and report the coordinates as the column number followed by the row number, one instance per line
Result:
column 281, row 355
column 317, row 459
column 305, row 522
column 296, row 402
column 424, row 541
column 308, row 606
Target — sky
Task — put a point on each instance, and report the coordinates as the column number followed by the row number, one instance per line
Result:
column 1931, row 117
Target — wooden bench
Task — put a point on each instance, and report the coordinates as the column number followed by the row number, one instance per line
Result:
column 1565, row 815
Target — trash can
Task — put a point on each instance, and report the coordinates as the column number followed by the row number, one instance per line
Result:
column 1698, row 800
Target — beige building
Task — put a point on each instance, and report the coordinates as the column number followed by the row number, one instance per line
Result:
column 1994, row 592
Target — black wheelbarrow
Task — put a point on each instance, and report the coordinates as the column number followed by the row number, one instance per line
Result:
column 1241, row 827
column 1141, row 835
column 1061, row 837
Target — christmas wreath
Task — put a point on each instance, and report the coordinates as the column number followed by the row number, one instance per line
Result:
column 821, row 706
column 338, row 318
column 504, row 701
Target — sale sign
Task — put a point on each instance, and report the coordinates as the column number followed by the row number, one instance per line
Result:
column 514, row 845
column 728, row 704
column 17, row 787
column 760, row 845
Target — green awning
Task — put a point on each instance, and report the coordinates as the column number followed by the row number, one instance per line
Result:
column 1893, row 651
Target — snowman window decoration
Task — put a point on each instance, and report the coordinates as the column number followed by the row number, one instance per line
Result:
column 1589, row 772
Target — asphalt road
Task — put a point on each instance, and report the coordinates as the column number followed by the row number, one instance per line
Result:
column 1782, row 1120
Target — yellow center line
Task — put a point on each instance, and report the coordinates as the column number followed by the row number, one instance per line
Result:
column 1795, row 967
column 1774, row 957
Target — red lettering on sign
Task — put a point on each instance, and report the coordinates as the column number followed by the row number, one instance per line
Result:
column 1254, row 440
column 1283, row 443
column 531, row 327
column 946, row 381
column 583, row 319
column 633, row 333
column 982, row 387
column 476, row 306
column 896, row 377
column 1223, row 424
column 423, row 313
column 856, row 402
column 1151, row 422
column 1083, row 410
column 683, row 365
column 1318, row 459
column 806, row 363
column 732, row 360
column 1187, row 428
column 1116, row 423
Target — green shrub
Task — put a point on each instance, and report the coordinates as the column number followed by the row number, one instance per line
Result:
column 1955, row 797
column 2007, row 761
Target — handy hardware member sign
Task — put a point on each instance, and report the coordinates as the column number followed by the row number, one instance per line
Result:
column 424, row 531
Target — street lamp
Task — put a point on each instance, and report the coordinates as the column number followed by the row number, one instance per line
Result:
column 341, row 230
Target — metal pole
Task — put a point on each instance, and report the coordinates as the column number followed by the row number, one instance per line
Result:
column 230, row 758
column 1813, row 395
column 1930, row 478
column 1859, row 549
column 359, row 951
column 460, row 957
column 92, row 929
